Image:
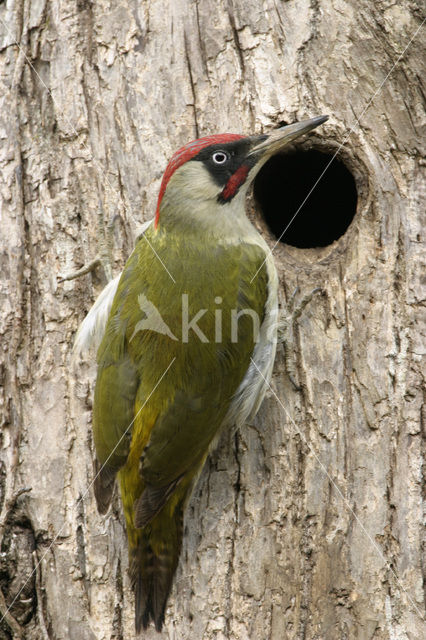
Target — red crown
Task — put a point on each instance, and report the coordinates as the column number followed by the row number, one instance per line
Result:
column 186, row 153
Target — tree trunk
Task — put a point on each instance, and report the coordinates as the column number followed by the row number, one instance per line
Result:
column 306, row 524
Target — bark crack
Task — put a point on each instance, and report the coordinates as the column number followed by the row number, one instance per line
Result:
column 236, row 38
column 231, row 566
column 191, row 82
column 18, row 631
column 40, row 598
column 201, row 42
column 17, row 328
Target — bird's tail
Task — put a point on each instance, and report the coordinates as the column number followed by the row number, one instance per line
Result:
column 153, row 563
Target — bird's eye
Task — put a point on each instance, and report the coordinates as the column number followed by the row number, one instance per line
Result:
column 220, row 157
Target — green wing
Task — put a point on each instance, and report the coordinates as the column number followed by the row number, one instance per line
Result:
column 115, row 392
column 206, row 375
column 193, row 399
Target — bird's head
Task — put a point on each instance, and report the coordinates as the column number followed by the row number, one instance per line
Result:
column 206, row 181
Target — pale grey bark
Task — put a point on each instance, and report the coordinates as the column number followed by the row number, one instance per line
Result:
column 308, row 523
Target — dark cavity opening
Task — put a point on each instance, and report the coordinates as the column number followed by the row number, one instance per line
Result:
column 283, row 184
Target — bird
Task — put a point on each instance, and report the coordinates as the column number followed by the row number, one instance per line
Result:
column 186, row 339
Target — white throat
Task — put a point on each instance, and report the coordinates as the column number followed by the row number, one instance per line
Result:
column 191, row 201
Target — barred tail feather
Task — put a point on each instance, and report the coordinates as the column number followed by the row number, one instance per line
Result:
column 153, row 566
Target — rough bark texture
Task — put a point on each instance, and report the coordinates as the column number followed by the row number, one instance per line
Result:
column 308, row 523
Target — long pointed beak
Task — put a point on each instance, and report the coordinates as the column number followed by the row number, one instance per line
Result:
column 267, row 146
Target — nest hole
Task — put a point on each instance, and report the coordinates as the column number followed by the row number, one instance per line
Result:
column 307, row 198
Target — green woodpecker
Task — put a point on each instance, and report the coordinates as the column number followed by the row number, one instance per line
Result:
column 187, row 343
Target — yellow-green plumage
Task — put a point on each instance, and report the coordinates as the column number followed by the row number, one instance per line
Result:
column 161, row 399
column 175, row 420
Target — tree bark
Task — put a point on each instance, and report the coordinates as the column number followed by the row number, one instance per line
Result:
column 306, row 524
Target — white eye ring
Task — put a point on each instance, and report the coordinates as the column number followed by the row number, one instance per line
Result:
column 220, row 157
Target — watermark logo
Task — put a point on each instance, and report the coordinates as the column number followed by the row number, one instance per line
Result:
column 152, row 321
column 225, row 323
